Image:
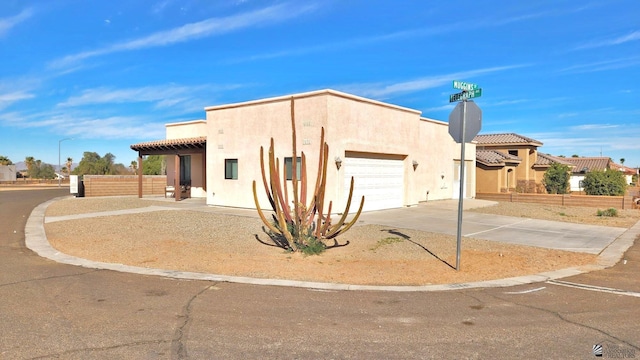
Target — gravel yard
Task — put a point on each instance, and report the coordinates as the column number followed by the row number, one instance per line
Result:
column 225, row 244
column 580, row 215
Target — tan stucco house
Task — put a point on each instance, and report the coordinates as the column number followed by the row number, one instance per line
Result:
column 396, row 157
column 511, row 162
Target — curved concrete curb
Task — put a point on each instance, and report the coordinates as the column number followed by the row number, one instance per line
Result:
column 36, row 240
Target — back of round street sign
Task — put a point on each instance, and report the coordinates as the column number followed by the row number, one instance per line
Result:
column 473, row 121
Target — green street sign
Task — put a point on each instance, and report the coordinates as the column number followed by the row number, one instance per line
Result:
column 474, row 93
column 455, row 97
column 465, row 95
column 457, row 84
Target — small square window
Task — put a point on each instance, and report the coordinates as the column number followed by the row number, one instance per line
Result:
column 513, row 152
column 288, row 162
column 231, row 169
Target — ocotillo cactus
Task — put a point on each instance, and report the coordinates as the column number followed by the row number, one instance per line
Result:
column 299, row 225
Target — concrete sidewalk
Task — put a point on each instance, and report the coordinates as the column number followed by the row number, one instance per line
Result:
column 435, row 216
column 442, row 217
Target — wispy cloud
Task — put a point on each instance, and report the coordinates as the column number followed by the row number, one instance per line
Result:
column 438, row 108
column 160, row 6
column 117, row 127
column 633, row 36
column 568, row 115
column 192, row 31
column 506, row 102
column 590, row 127
column 591, row 139
column 9, row 98
column 349, row 43
column 612, row 64
column 133, row 95
column 378, row 90
column 7, row 24
column 162, row 96
column 399, row 35
column 87, row 126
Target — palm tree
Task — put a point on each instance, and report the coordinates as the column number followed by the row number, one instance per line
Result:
column 69, row 164
column 621, row 161
column 30, row 161
column 5, row 160
column 134, row 167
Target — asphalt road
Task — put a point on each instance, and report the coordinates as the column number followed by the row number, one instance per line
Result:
column 56, row 311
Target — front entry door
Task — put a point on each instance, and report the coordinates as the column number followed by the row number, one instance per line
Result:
column 185, row 170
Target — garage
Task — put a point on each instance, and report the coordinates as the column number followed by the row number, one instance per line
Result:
column 381, row 181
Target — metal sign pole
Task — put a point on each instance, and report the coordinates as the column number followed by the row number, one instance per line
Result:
column 458, row 128
column 461, row 193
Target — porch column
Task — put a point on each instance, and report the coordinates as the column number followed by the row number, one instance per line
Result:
column 139, row 175
column 204, row 171
column 176, row 178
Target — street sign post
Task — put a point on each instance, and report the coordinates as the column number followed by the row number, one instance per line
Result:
column 465, row 122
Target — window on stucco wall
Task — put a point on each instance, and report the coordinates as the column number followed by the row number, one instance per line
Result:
column 231, row 169
column 513, row 152
column 288, row 162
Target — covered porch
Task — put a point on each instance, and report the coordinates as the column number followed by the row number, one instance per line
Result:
column 186, row 160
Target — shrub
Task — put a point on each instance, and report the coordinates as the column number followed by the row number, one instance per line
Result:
column 386, row 241
column 556, row 179
column 610, row 183
column 610, row 212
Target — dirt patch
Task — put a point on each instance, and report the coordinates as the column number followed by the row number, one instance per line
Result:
column 580, row 215
column 227, row 245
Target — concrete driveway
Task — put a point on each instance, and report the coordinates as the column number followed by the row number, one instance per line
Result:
column 442, row 217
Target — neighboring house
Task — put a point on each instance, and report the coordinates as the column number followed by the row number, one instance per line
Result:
column 396, row 157
column 8, row 173
column 511, row 162
column 582, row 165
column 628, row 172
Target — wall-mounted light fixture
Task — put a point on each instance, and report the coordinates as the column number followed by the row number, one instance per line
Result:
column 338, row 162
column 442, row 176
column 415, row 164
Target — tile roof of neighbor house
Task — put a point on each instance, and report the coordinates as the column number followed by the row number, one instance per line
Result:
column 547, row 159
column 495, row 158
column 625, row 169
column 584, row 164
column 171, row 144
column 504, row 139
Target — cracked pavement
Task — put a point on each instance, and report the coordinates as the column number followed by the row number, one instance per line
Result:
column 58, row 311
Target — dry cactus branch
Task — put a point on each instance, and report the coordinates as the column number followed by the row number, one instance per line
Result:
column 295, row 224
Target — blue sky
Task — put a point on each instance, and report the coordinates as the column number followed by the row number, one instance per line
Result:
column 109, row 74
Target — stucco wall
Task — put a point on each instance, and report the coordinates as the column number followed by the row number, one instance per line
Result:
column 352, row 124
column 375, row 130
column 186, row 129
column 489, row 179
column 8, row 173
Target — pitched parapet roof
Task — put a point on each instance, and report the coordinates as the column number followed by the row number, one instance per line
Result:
column 584, row 164
column 505, row 139
column 547, row 159
column 495, row 158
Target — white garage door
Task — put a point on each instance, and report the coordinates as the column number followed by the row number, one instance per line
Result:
column 381, row 181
